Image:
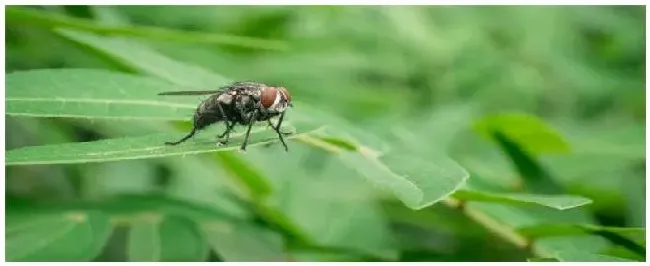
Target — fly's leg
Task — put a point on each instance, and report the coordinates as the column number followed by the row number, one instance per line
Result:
column 229, row 127
column 248, row 132
column 277, row 130
column 186, row 137
column 226, row 134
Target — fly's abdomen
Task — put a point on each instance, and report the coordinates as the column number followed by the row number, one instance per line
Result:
column 207, row 114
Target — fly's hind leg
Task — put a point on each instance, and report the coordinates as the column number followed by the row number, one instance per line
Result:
column 226, row 134
column 229, row 127
column 186, row 137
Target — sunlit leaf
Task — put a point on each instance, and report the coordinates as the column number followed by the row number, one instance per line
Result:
column 529, row 131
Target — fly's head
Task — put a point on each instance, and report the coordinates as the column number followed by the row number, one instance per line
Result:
column 275, row 99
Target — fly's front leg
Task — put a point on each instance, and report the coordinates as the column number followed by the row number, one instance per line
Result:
column 277, row 130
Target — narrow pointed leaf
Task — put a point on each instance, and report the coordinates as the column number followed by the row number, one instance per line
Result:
column 588, row 257
column 150, row 146
column 560, row 202
column 630, row 238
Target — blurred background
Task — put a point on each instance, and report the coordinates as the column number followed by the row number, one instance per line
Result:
column 413, row 72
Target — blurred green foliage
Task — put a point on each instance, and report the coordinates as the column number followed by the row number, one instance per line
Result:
column 453, row 134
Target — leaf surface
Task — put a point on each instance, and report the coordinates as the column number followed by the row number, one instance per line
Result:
column 245, row 243
column 560, row 202
column 56, row 236
column 89, row 93
column 168, row 238
column 150, row 146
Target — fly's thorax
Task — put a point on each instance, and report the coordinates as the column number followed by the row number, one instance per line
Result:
column 225, row 98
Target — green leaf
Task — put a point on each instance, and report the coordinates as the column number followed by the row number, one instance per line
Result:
column 165, row 238
column 129, row 148
column 630, row 238
column 143, row 59
column 127, row 207
column 588, row 257
column 316, row 201
column 56, row 236
column 542, row 260
column 418, row 190
column 536, row 178
column 258, row 187
column 90, row 93
column 49, row 20
column 530, row 132
column 416, row 182
column 560, row 202
column 242, row 242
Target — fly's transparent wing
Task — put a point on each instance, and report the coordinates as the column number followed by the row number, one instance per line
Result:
column 207, row 92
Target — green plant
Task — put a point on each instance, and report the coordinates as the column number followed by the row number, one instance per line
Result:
column 340, row 192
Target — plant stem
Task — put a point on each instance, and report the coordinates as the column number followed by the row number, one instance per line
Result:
column 494, row 226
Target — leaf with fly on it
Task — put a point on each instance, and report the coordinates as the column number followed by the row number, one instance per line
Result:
column 418, row 189
column 129, row 148
column 56, row 235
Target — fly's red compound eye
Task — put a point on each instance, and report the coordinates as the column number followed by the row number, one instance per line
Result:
column 285, row 93
column 268, row 97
